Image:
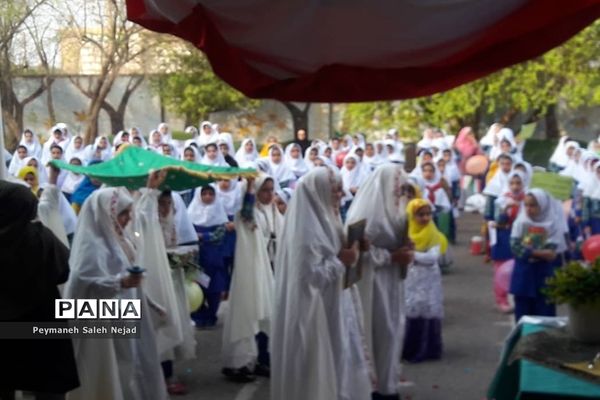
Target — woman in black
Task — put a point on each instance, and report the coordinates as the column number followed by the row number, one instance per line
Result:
column 34, row 262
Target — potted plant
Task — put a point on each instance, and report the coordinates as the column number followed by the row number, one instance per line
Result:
column 578, row 286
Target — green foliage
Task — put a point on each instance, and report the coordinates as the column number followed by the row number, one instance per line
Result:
column 194, row 91
column 180, row 135
column 569, row 73
column 574, row 284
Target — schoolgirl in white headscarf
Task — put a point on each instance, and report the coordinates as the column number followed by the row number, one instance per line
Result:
column 559, row 157
column 165, row 131
column 382, row 286
column 310, row 155
column 31, row 141
column 490, row 139
column 427, row 139
column 370, row 157
column 98, row 151
column 317, row 347
column 190, row 153
column 75, row 149
column 102, row 251
column 279, row 169
column 258, row 229
column 433, row 188
column 137, row 132
column 155, row 141
column 294, row 160
column 352, row 174
column 18, row 160
column 207, row 134
column 230, row 193
column 192, row 130
column 225, row 137
column 572, row 166
column 212, row 156
column 72, row 179
column 119, row 139
column 247, row 153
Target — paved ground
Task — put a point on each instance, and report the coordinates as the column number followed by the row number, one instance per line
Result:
column 473, row 335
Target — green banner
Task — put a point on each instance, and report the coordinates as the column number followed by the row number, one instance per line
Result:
column 131, row 167
column 558, row 186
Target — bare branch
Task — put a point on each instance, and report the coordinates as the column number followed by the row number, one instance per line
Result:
column 37, row 93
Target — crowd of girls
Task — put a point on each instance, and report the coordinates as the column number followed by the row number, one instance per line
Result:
column 274, row 253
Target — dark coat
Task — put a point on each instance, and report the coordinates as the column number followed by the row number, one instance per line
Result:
column 33, row 263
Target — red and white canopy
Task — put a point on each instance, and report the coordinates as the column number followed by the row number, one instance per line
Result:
column 361, row 50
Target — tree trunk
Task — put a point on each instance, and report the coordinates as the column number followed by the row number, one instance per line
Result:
column 188, row 120
column 117, row 120
column 509, row 115
column 117, row 116
column 50, row 103
column 299, row 117
column 552, row 130
column 91, row 130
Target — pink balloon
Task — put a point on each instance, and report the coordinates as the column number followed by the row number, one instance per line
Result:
column 504, row 274
column 476, row 165
column 591, row 248
column 339, row 159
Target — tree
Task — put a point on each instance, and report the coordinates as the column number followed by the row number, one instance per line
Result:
column 568, row 74
column 105, row 31
column 117, row 115
column 41, row 34
column 190, row 88
column 14, row 15
column 299, row 116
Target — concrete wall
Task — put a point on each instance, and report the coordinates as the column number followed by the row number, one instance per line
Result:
column 271, row 118
column 143, row 111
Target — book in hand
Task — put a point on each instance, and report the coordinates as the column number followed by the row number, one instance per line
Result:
column 356, row 233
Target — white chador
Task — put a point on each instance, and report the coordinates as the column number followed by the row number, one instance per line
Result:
column 251, row 292
column 177, row 229
column 49, row 212
column 381, row 288
column 115, row 369
column 158, row 283
column 317, row 349
column 268, row 219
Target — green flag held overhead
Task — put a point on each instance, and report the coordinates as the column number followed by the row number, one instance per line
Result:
column 558, row 186
column 132, row 165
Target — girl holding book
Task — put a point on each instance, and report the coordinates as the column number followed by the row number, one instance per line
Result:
column 317, row 347
column 537, row 240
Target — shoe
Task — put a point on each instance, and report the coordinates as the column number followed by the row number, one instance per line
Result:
column 239, row 375
column 205, row 326
column 505, row 308
column 177, row 388
column 378, row 396
column 262, row 370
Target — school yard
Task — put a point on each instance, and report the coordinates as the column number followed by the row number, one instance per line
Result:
column 473, row 334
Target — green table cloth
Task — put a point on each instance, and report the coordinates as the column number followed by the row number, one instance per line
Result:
column 131, row 166
column 524, row 380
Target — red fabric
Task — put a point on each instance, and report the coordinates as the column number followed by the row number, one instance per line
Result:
column 431, row 192
column 513, row 211
column 524, row 34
